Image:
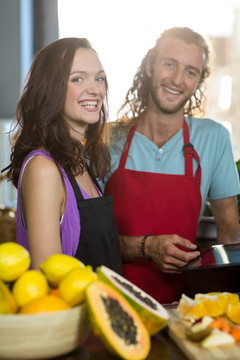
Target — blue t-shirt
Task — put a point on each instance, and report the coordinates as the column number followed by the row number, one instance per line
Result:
column 212, row 142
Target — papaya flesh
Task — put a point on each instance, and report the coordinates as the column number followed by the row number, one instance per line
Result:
column 154, row 316
column 116, row 322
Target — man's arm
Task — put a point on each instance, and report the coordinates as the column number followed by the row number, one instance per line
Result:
column 162, row 249
column 226, row 215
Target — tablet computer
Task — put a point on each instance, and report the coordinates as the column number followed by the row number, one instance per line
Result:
column 215, row 257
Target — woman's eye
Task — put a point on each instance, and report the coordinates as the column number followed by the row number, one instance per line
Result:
column 101, row 79
column 78, row 79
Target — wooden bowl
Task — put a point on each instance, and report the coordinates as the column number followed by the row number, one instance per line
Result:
column 43, row 335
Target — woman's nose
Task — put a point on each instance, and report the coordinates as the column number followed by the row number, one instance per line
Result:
column 92, row 87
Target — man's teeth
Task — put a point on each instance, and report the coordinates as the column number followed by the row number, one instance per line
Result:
column 172, row 91
column 89, row 104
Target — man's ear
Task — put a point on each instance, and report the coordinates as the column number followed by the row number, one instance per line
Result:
column 149, row 67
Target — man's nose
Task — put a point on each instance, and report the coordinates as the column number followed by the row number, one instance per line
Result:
column 177, row 76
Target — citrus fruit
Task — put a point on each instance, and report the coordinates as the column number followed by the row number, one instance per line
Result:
column 212, row 302
column 226, row 299
column 8, row 304
column 73, row 285
column 234, row 313
column 56, row 266
column 190, row 309
column 30, row 285
column 46, row 303
column 55, row 292
column 14, row 261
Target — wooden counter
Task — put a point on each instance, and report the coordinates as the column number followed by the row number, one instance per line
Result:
column 162, row 348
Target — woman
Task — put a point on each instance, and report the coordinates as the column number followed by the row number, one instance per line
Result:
column 58, row 152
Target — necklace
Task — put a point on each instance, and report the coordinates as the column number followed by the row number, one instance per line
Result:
column 77, row 131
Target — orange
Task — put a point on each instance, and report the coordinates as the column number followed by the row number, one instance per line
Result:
column 234, row 313
column 214, row 306
column 47, row 303
column 190, row 309
column 55, row 292
column 228, row 299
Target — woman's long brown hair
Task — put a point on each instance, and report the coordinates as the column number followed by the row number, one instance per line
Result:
column 39, row 120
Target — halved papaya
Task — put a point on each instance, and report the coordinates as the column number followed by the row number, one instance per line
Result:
column 154, row 316
column 116, row 322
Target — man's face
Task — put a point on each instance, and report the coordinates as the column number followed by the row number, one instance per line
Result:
column 175, row 75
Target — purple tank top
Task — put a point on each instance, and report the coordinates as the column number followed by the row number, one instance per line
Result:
column 70, row 223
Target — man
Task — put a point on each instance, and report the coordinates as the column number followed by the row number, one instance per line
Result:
column 165, row 163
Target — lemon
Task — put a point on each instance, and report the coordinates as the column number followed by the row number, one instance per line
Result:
column 56, row 266
column 73, row 285
column 30, row 285
column 14, row 261
column 43, row 304
column 8, row 304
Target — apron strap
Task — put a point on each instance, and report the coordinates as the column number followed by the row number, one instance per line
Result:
column 76, row 188
column 123, row 159
column 189, row 153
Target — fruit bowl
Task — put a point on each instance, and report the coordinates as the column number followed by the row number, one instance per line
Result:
column 43, row 335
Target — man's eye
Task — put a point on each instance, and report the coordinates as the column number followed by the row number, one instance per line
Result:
column 169, row 65
column 191, row 73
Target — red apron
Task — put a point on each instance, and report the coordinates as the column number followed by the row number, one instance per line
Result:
column 158, row 204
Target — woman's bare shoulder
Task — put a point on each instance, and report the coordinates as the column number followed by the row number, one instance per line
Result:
column 41, row 169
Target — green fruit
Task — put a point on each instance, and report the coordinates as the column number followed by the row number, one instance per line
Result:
column 116, row 322
column 200, row 329
column 217, row 338
column 153, row 314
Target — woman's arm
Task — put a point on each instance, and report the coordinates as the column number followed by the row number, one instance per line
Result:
column 43, row 201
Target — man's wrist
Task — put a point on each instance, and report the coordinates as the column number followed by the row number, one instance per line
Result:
column 143, row 247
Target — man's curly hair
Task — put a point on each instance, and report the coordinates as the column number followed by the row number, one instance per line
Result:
column 136, row 99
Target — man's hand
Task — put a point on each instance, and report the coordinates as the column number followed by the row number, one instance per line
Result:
column 168, row 252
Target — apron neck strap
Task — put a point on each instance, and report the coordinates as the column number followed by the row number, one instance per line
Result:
column 126, row 148
column 73, row 182
column 189, row 152
column 188, row 149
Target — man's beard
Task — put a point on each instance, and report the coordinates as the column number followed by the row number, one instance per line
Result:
column 171, row 109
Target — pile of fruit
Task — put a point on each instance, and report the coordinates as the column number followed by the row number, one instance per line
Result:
column 214, row 318
column 121, row 314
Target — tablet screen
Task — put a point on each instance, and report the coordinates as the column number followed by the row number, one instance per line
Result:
column 216, row 256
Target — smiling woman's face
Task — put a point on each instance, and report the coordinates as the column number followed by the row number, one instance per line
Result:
column 86, row 90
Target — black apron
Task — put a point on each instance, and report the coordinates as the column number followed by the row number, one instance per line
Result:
column 98, row 242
